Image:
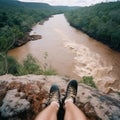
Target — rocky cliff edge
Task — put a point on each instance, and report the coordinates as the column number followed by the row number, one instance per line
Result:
column 23, row 97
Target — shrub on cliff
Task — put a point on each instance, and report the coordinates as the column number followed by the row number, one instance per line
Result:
column 12, row 66
column 30, row 66
column 88, row 80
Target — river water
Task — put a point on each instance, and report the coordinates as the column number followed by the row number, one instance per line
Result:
column 72, row 53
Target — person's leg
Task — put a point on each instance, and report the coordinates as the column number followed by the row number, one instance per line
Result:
column 72, row 112
column 50, row 112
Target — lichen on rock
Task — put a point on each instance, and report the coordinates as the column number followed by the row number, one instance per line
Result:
column 14, row 103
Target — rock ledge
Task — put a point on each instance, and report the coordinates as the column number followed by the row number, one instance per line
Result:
column 23, row 97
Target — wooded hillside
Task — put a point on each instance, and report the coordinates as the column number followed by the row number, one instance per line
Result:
column 101, row 21
column 17, row 18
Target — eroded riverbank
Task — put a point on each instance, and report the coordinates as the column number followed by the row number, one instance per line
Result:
column 73, row 53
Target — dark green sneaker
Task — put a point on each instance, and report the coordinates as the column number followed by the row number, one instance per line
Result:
column 54, row 94
column 71, row 90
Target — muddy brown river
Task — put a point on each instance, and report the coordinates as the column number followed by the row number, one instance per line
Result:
column 72, row 53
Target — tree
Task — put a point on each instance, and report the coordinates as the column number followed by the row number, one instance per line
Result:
column 7, row 39
column 100, row 21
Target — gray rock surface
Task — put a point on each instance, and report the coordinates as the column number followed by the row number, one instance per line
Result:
column 14, row 103
column 105, row 106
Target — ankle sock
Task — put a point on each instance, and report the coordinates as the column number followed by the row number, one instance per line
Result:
column 54, row 102
column 69, row 100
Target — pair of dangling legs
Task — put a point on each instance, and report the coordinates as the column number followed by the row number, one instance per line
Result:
column 72, row 112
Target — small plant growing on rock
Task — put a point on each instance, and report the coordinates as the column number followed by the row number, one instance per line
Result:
column 88, row 80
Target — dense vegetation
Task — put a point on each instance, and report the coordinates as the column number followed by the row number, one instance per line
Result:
column 29, row 66
column 16, row 19
column 101, row 21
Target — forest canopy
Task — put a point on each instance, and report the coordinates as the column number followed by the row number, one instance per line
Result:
column 101, row 21
column 17, row 18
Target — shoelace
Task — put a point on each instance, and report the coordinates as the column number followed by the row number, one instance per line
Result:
column 71, row 92
column 54, row 97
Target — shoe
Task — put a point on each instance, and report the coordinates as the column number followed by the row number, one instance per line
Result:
column 54, row 94
column 71, row 91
